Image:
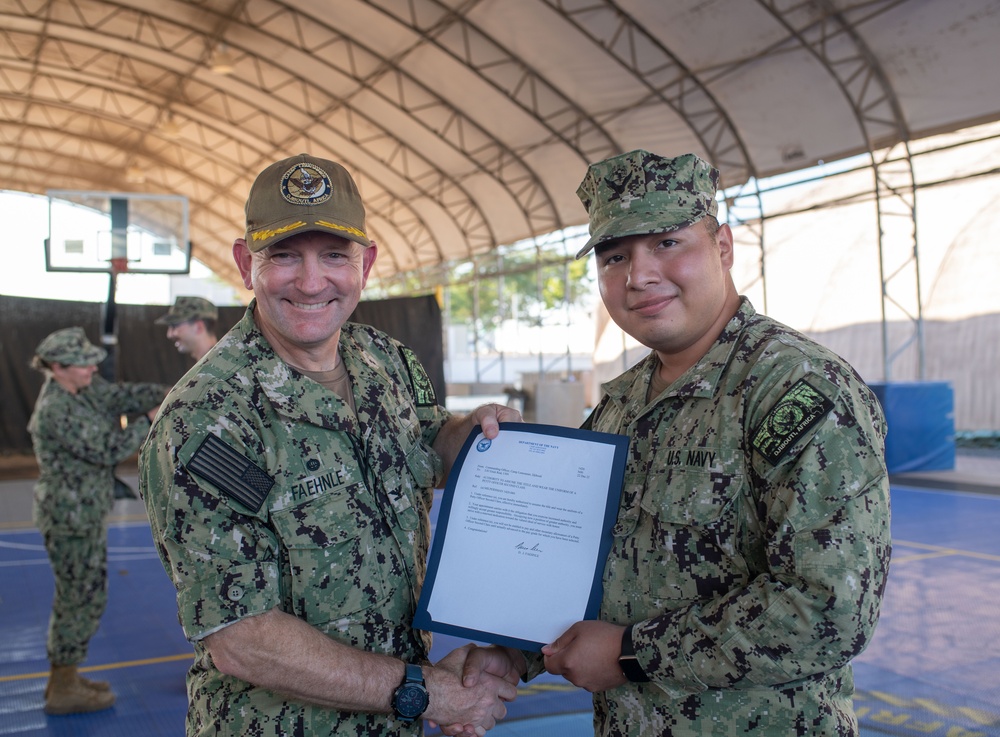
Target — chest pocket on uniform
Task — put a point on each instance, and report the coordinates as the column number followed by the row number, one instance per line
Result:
column 690, row 528
column 332, row 557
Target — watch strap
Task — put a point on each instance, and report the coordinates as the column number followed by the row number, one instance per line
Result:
column 627, row 660
column 414, row 674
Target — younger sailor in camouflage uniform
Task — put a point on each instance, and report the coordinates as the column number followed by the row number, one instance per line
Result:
column 191, row 324
column 288, row 482
column 78, row 439
column 752, row 543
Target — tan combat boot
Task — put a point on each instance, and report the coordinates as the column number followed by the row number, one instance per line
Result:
column 96, row 685
column 67, row 694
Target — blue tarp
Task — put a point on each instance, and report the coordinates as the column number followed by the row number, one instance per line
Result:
column 921, row 419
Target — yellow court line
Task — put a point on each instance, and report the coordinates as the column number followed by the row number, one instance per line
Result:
column 25, row 525
column 937, row 708
column 941, row 550
column 538, row 688
column 923, row 556
column 114, row 520
column 108, row 666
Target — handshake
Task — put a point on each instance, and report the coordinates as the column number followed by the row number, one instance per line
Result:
column 486, row 678
column 468, row 689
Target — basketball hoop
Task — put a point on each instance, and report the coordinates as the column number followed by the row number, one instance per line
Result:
column 117, row 233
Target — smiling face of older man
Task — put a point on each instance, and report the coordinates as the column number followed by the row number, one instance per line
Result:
column 306, row 287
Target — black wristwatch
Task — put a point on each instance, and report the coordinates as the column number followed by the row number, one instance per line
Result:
column 410, row 699
column 627, row 660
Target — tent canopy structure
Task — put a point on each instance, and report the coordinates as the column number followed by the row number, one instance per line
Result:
column 468, row 124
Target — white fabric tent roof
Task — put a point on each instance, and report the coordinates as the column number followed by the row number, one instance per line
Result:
column 468, row 123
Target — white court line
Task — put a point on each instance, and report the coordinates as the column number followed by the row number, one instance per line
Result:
column 111, row 559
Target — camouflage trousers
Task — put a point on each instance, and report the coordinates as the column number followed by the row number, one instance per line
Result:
column 80, row 568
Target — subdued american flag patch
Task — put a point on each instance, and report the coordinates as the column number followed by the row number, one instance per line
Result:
column 233, row 473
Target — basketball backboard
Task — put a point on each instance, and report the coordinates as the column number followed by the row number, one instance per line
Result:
column 117, row 231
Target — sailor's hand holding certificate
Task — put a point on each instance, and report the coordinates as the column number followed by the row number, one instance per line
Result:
column 523, row 534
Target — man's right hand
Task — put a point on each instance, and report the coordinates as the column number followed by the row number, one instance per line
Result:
column 470, row 709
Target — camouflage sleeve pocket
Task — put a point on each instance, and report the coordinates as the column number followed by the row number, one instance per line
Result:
column 777, row 648
column 204, row 605
column 413, row 484
column 425, row 466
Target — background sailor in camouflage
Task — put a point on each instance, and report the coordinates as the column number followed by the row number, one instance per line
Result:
column 191, row 324
column 752, row 542
column 288, row 481
column 78, row 440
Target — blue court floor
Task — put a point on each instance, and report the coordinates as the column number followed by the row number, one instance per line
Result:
column 932, row 669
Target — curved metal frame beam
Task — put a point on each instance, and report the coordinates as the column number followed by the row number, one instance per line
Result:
column 449, row 30
column 454, row 34
column 493, row 159
column 679, row 88
column 880, row 118
column 119, row 35
column 393, row 85
column 191, row 87
column 675, row 85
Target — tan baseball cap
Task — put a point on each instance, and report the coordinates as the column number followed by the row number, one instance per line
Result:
column 300, row 194
column 640, row 193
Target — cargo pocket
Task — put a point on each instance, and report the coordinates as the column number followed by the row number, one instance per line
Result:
column 331, row 557
column 691, row 525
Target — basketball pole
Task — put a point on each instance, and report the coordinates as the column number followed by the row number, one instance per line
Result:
column 119, row 264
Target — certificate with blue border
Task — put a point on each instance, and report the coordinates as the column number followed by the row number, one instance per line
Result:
column 522, row 535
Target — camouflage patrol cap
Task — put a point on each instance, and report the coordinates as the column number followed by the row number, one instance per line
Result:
column 301, row 194
column 186, row 309
column 640, row 193
column 70, row 347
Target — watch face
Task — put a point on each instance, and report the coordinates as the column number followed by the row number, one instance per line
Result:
column 411, row 700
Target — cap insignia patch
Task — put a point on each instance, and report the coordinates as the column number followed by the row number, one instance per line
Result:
column 306, row 184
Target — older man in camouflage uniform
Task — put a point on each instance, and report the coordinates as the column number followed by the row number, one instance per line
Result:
column 288, row 481
column 191, row 325
column 752, row 542
column 78, row 438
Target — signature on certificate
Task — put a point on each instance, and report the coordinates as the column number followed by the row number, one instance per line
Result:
column 522, row 548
